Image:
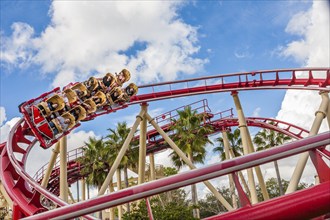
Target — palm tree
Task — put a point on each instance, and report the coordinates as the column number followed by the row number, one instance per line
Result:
column 235, row 141
column 191, row 137
column 267, row 138
column 95, row 163
column 115, row 141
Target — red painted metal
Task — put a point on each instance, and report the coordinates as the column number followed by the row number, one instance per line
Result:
column 321, row 167
column 21, row 188
column 158, row 144
column 244, row 200
column 304, row 204
column 187, row 178
column 151, row 216
column 267, row 79
column 26, row 192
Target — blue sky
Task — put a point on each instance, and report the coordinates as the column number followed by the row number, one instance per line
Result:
column 232, row 35
column 46, row 44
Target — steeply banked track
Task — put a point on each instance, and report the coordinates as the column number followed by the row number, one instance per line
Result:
column 25, row 192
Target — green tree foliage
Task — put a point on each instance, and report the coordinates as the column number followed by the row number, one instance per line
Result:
column 169, row 171
column 178, row 210
column 115, row 141
column 211, row 206
column 3, row 212
column 191, row 137
column 274, row 190
column 95, row 162
column 235, row 142
column 266, row 139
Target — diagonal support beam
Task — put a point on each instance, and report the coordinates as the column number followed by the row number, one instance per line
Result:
column 320, row 114
column 187, row 161
column 51, row 164
column 121, row 153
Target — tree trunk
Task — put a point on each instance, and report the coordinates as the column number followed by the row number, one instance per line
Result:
column 194, row 196
column 278, row 177
column 126, row 185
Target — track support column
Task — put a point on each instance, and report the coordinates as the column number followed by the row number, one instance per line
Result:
column 83, row 189
column 63, row 170
column 226, row 145
column 244, row 135
column 51, row 164
column 120, row 208
column 143, row 146
column 152, row 166
column 112, row 210
column 121, row 153
column 320, row 114
column 188, row 162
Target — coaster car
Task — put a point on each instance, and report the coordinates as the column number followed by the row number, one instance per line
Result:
column 92, row 106
column 80, row 89
column 71, row 95
column 99, row 99
column 78, row 102
column 47, row 132
column 91, row 84
column 107, row 82
column 51, row 105
column 56, row 123
column 79, row 113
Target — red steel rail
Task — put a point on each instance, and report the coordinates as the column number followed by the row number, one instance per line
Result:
column 74, row 167
column 198, row 175
column 25, row 192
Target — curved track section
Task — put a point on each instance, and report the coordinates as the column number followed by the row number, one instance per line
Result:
column 205, row 173
column 218, row 124
column 25, row 192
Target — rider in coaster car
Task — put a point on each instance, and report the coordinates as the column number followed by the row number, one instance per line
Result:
column 122, row 77
column 52, row 106
column 91, row 84
column 131, row 89
column 63, row 122
column 107, row 82
column 75, row 112
column 128, row 92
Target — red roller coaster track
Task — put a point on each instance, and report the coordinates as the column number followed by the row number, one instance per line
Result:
column 219, row 124
column 25, row 192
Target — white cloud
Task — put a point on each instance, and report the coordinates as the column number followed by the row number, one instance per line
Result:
column 312, row 49
column 256, row 112
column 5, row 129
column 85, row 37
column 3, row 117
column 38, row 157
column 17, row 49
